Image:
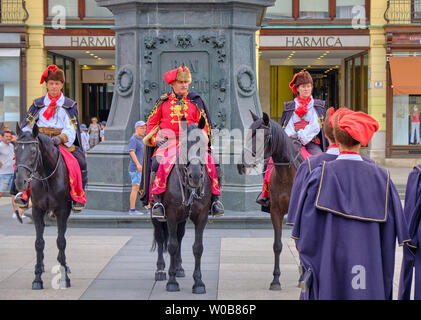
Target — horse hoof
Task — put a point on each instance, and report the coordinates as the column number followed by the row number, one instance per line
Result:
column 173, row 287
column 199, row 290
column 275, row 286
column 160, row 276
column 65, row 284
column 180, row 273
column 37, row 285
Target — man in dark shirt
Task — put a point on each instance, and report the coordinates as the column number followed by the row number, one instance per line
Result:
column 136, row 149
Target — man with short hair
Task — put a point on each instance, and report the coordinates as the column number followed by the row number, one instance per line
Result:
column 7, row 154
column 136, row 150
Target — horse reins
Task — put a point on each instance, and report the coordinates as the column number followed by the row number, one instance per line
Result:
column 33, row 169
column 267, row 140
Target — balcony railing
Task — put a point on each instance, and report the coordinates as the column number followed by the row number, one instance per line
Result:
column 403, row 11
column 13, row 12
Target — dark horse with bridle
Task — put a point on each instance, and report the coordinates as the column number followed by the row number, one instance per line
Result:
column 41, row 164
column 285, row 153
column 187, row 195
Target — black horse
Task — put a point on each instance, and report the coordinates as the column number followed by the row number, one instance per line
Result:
column 187, row 195
column 40, row 164
column 286, row 156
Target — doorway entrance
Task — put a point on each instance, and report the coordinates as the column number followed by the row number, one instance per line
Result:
column 97, row 98
column 325, row 85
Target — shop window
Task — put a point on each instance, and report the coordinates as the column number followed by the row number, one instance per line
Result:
column 281, row 9
column 319, row 9
column 344, row 8
column 314, row 9
column 71, row 7
column 356, row 81
column 9, row 89
column 406, row 101
column 406, row 119
column 93, row 11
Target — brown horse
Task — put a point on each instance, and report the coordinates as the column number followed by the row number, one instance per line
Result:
column 286, row 156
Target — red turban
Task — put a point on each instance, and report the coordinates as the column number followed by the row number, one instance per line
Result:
column 181, row 73
column 358, row 125
column 335, row 113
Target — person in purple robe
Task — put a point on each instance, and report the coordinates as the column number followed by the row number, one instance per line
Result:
column 347, row 218
column 411, row 256
column 313, row 162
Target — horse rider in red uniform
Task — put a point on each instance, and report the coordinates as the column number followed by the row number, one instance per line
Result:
column 164, row 130
column 302, row 119
column 57, row 116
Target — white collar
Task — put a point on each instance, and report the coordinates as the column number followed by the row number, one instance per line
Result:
column 333, row 151
column 355, row 157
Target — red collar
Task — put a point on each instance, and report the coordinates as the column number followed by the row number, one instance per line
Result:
column 333, row 146
column 348, row 152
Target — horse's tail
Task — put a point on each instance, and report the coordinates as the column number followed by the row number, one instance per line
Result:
column 160, row 234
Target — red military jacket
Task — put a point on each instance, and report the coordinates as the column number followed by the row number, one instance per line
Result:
column 164, row 121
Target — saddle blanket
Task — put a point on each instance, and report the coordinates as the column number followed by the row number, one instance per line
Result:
column 164, row 170
column 75, row 178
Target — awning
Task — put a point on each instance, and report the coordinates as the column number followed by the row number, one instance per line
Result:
column 406, row 75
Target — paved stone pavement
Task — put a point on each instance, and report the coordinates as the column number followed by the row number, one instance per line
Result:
column 116, row 264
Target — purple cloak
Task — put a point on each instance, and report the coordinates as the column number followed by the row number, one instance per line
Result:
column 412, row 256
column 347, row 219
column 301, row 176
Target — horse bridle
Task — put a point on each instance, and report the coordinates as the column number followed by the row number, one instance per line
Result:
column 186, row 188
column 265, row 162
column 32, row 170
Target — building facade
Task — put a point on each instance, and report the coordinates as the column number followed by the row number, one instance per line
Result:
column 13, row 60
column 75, row 35
column 346, row 45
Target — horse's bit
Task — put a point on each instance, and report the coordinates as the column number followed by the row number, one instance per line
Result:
column 186, row 189
column 32, row 170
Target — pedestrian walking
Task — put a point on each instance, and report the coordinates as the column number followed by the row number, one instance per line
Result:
column 84, row 135
column 94, row 132
column 101, row 133
column 136, row 150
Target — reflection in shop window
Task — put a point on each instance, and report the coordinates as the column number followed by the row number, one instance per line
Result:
column 344, row 8
column 9, row 89
column 314, row 9
column 281, row 9
column 71, row 7
column 406, row 119
column 93, row 11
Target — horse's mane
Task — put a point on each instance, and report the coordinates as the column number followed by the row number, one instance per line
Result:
column 44, row 139
column 284, row 146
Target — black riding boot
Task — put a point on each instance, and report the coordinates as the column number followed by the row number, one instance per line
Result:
column 217, row 208
column 21, row 203
column 265, row 202
column 157, row 208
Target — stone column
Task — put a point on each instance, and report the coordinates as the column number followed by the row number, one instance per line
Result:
column 216, row 40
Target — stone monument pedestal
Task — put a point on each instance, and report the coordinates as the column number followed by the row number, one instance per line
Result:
column 216, row 40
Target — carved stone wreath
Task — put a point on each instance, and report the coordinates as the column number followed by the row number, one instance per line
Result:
column 124, row 81
column 246, row 81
